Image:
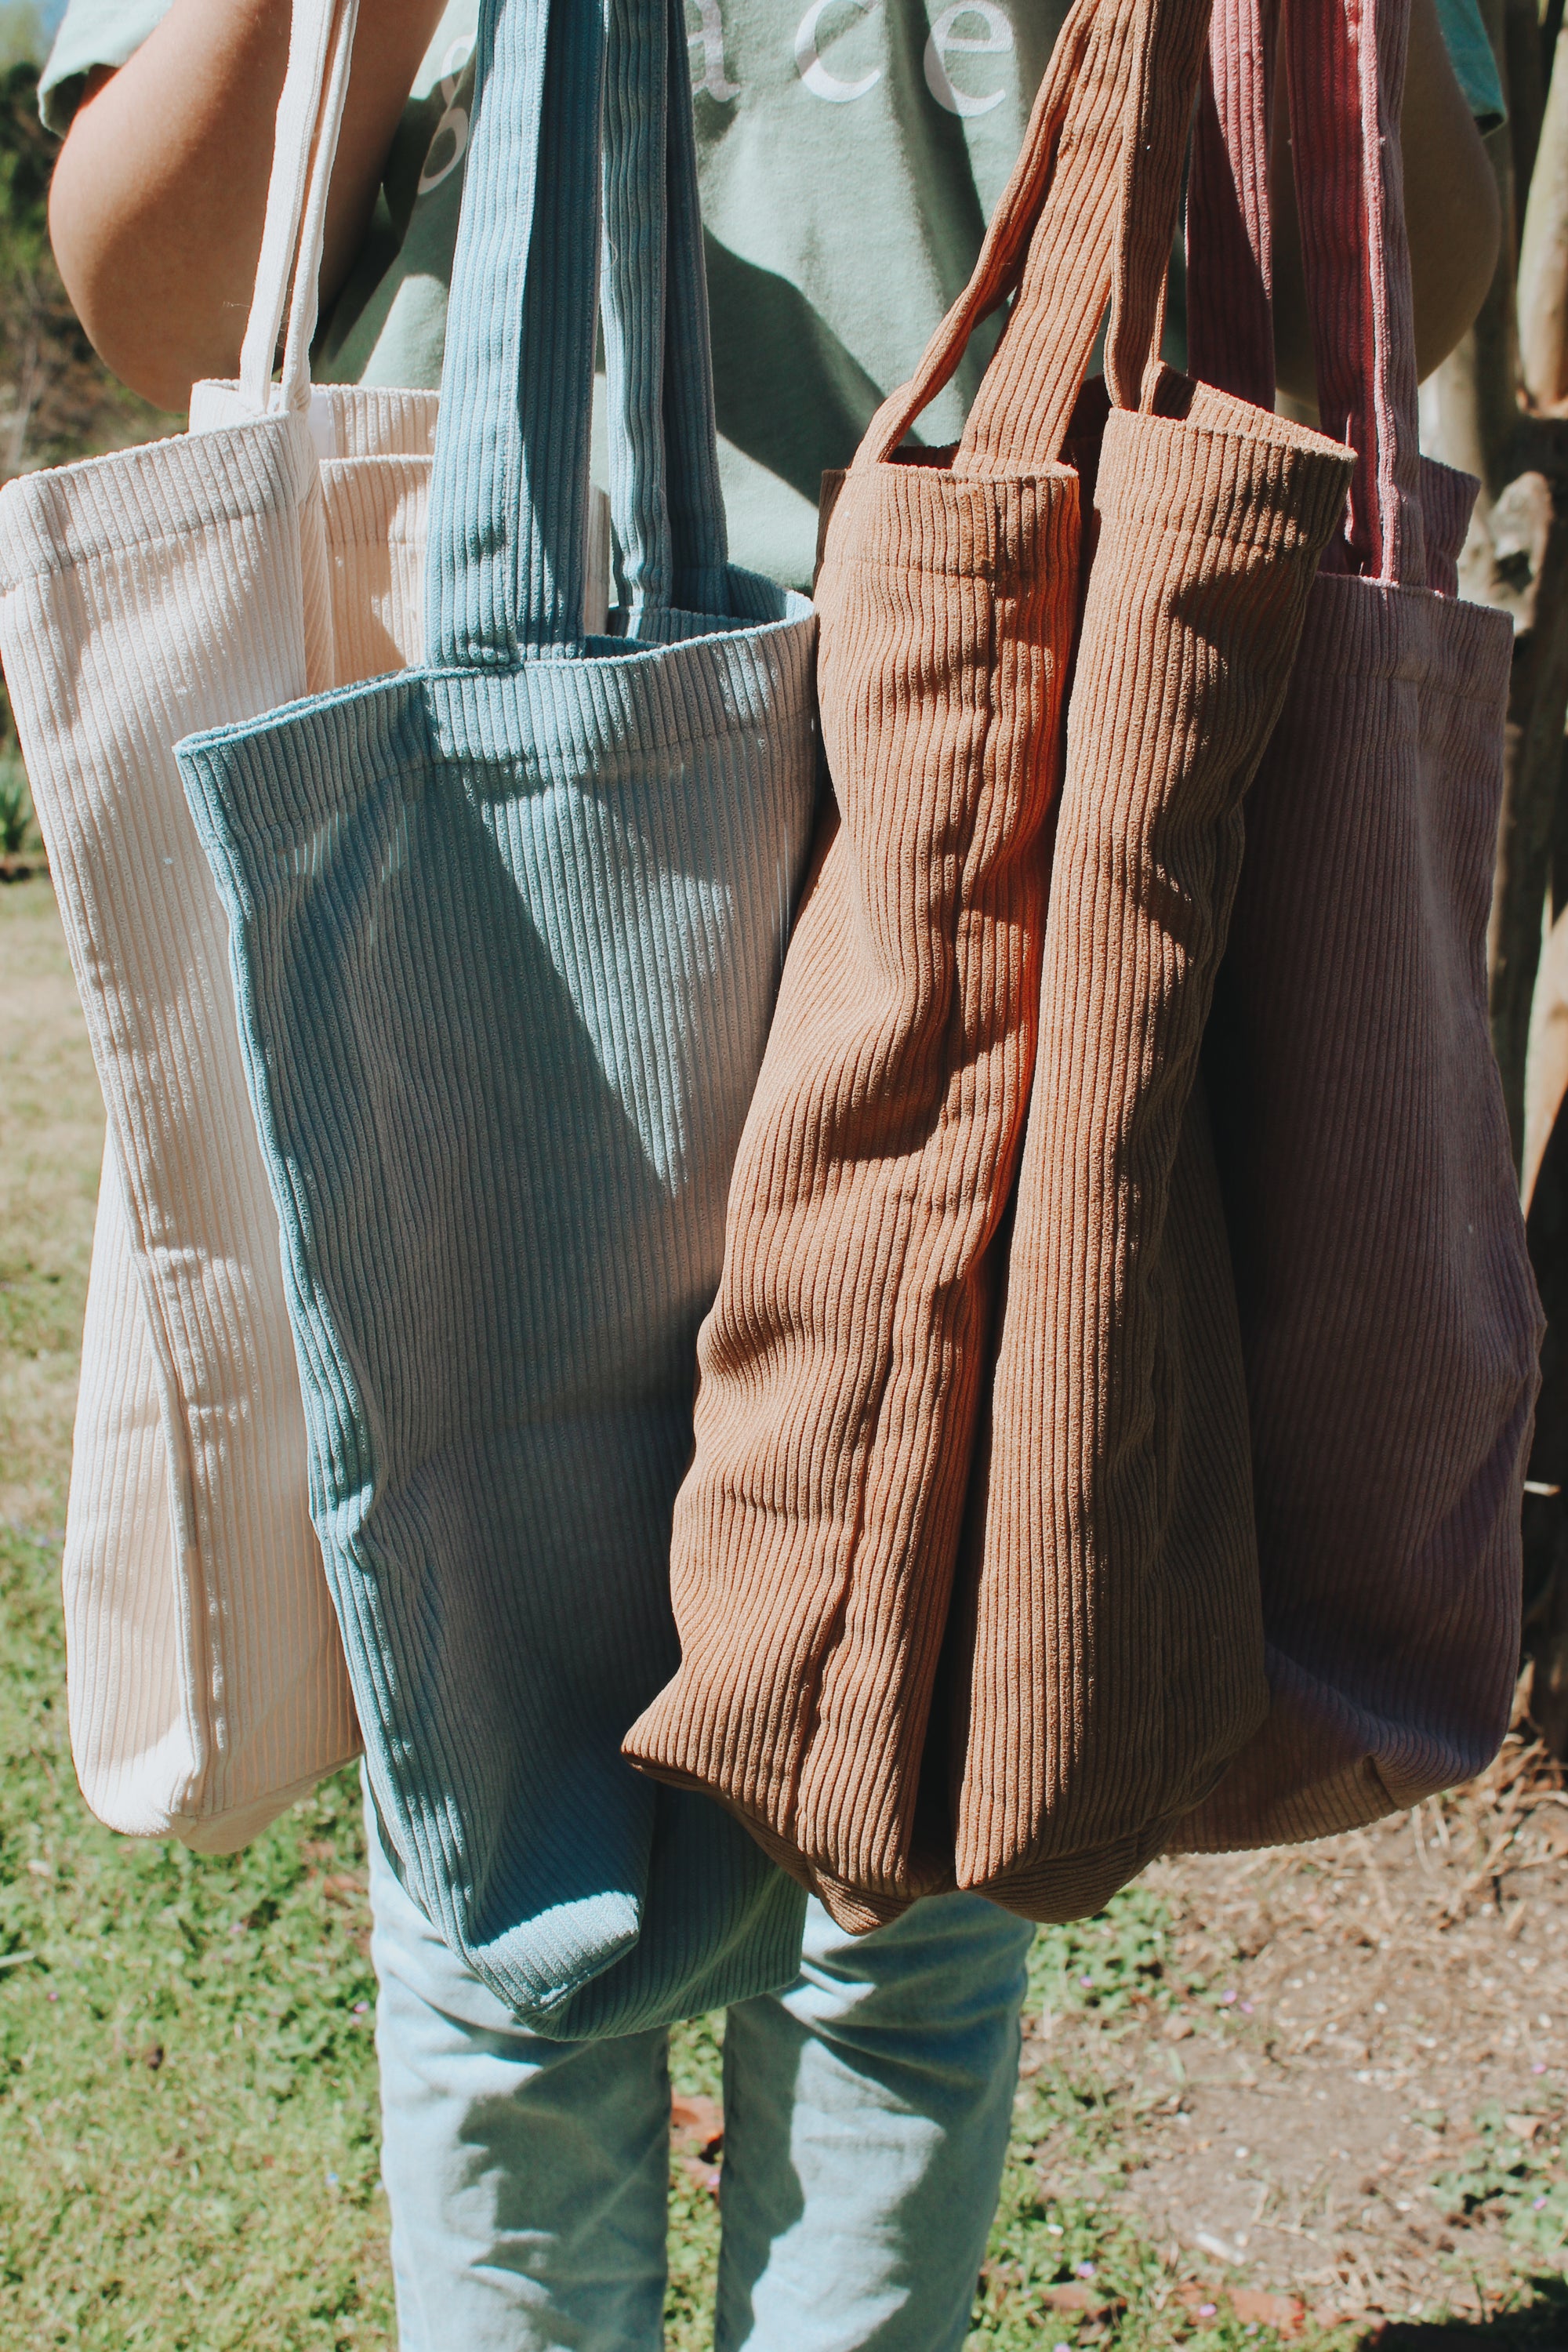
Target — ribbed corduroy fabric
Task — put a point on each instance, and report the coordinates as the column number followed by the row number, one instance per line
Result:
column 1388, row 1314
column 1105, row 1654
column 507, row 933
column 205, row 1679
column 377, row 443
column 178, row 584
column 1108, row 1650
column 374, row 444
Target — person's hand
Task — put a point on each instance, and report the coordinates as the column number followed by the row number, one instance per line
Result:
column 156, row 207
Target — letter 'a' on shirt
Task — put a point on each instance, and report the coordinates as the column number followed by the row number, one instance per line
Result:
column 849, row 154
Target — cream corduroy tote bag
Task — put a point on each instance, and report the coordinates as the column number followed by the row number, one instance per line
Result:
column 271, row 549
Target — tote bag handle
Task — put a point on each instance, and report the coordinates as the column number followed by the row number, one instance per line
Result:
column 304, row 149
column 1231, row 260
column 1345, row 62
column 1346, row 65
column 1168, row 62
column 665, row 496
column 509, row 490
column 1089, row 213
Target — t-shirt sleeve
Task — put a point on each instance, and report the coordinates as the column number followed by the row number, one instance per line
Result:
column 1471, row 53
column 92, row 33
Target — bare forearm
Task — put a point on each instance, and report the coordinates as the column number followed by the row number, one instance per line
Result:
column 1450, row 205
column 159, row 193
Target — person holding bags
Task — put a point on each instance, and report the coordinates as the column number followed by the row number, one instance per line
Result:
column 522, row 2010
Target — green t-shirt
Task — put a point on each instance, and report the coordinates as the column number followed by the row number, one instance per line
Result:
column 849, row 154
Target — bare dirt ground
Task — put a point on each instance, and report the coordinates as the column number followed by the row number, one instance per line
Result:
column 1361, row 2113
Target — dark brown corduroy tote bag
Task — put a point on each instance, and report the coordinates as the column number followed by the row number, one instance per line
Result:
column 1388, row 1314
column 1106, row 1657
column 843, row 1367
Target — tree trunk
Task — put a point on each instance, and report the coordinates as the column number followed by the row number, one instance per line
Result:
column 1527, row 543
column 1516, row 556
column 1525, row 81
column 1543, row 254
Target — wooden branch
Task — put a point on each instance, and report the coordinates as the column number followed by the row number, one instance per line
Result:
column 1544, row 252
column 1526, row 542
column 1477, row 386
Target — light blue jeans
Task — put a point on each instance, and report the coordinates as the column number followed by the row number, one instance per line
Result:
column 866, row 2117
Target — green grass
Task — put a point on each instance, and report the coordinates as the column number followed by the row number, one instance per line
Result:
column 1098, row 1968
column 37, row 1312
column 696, row 2067
column 15, row 806
column 188, row 2127
column 187, row 2092
column 1516, row 2175
column 187, row 2076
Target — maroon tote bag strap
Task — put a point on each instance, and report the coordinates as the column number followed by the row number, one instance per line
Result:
column 1360, row 292
column 1346, row 91
column 1346, row 96
column 1230, row 265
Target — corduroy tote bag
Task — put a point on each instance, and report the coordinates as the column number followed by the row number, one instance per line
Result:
column 174, row 585
column 840, row 1367
column 507, row 934
column 1389, row 1317
column 1106, row 1655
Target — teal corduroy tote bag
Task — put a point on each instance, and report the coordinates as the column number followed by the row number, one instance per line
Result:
column 506, row 935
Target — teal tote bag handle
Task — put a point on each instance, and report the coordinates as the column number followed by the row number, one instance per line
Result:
column 507, row 550
column 510, row 492
column 665, row 502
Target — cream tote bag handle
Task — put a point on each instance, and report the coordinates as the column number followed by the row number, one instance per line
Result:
column 305, row 146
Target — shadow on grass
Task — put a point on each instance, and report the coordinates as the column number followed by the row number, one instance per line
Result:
column 1540, row 2325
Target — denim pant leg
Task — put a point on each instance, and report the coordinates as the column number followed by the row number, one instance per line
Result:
column 867, row 2111
column 527, row 2179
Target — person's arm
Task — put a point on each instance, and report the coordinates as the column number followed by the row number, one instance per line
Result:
column 1451, row 212
column 156, row 207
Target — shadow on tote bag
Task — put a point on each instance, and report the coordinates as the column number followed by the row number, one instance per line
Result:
column 1389, row 1317
column 1105, row 1652
column 169, row 586
column 507, row 934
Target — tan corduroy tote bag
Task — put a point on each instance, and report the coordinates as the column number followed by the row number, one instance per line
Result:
column 1106, row 1653
column 177, row 585
column 1388, row 1313
column 1108, row 1603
